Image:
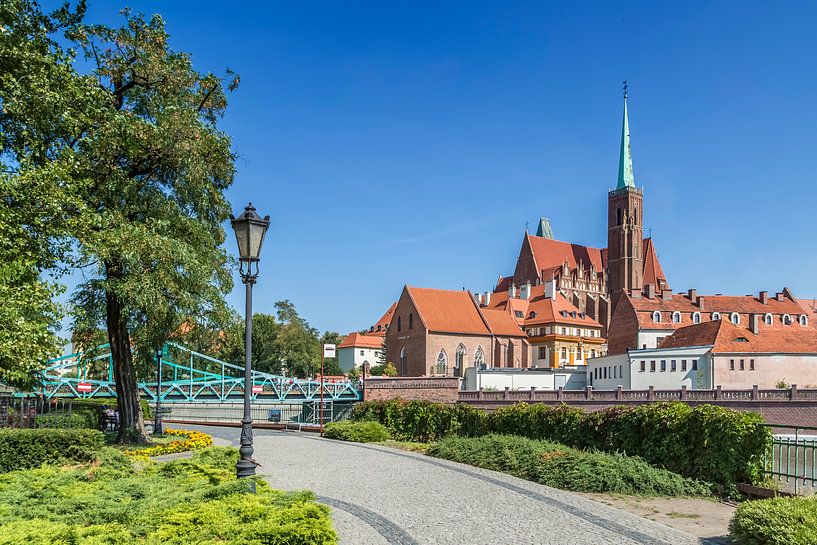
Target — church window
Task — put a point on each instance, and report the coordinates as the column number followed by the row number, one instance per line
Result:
column 696, row 317
column 676, row 317
column 635, row 215
column 734, row 318
column 403, row 357
column 618, row 216
column 656, row 317
column 411, row 320
column 786, row 319
column 441, row 368
column 399, row 324
column 716, row 315
column 459, row 363
column 479, row 358
column 803, row 319
column 767, row 319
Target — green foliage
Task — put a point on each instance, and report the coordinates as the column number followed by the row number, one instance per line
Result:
column 196, row 500
column 562, row 467
column 383, row 370
column 23, row 449
column 778, row 521
column 709, row 443
column 357, row 432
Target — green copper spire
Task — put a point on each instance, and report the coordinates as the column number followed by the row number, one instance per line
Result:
column 625, row 160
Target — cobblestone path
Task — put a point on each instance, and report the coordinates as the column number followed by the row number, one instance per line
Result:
column 380, row 495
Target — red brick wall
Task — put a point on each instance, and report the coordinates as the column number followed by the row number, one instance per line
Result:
column 437, row 389
column 413, row 340
column 525, row 266
column 623, row 331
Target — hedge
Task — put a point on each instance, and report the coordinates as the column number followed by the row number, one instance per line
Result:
column 357, row 432
column 566, row 468
column 197, row 500
column 778, row 521
column 709, row 443
column 27, row 448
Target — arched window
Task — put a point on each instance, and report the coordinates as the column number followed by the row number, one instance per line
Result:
column 696, row 317
column 734, row 318
column 656, row 317
column 716, row 315
column 767, row 319
column 676, row 317
column 399, row 324
column 411, row 320
column 441, row 367
column 786, row 319
column 403, row 357
column 479, row 358
column 459, row 362
column 803, row 319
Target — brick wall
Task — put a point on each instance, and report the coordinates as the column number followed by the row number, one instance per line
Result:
column 437, row 389
column 623, row 331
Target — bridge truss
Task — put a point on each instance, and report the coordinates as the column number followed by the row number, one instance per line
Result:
column 187, row 377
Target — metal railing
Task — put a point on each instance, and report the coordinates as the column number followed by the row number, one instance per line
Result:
column 793, row 457
column 304, row 414
column 37, row 413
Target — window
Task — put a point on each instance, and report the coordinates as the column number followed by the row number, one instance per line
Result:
column 767, row 319
column 694, row 365
column 399, row 324
column 643, row 366
column 716, row 315
column 683, row 365
column 751, row 365
column 479, row 358
column 803, row 319
column 579, row 353
column 564, row 331
column 518, row 314
column 605, row 372
column 593, row 353
column 742, row 366
column 596, row 372
column 734, row 318
column 361, row 353
column 786, row 319
column 657, row 341
column 663, row 365
column 542, row 353
column 441, row 367
column 731, row 365
column 403, row 357
column 656, row 317
column 532, row 314
column 411, row 320
column 652, row 366
column 673, row 366
column 618, row 216
column 614, row 372
column 696, row 317
column 459, row 363
column 676, row 317
column 564, row 353
column 620, row 371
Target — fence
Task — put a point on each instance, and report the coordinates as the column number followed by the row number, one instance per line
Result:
column 306, row 414
column 793, row 458
column 38, row 413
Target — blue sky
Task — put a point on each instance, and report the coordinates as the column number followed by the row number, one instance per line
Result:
column 396, row 143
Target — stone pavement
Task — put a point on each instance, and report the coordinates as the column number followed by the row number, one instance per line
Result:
column 380, row 495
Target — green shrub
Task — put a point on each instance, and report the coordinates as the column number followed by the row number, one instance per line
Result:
column 778, row 521
column 357, row 432
column 24, row 449
column 562, row 467
column 196, row 500
column 709, row 443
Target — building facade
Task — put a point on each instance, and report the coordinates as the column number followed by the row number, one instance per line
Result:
column 356, row 350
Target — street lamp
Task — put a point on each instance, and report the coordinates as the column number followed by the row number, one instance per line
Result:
column 250, row 229
column 157, row 423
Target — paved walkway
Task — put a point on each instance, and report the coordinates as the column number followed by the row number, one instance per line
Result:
column 379, row 495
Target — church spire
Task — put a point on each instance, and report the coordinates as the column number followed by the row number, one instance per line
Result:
column 625, row 161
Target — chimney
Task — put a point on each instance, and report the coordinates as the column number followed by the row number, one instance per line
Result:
column 691, row 294
column 666, row 295
column 487, row 298
column 700, row 302
column 524, row 292
column 650, row 291
column 512, row 291
column 754, row 323
column 764, row 297
column 635, row 294
column 779, row 296
column 550, row 289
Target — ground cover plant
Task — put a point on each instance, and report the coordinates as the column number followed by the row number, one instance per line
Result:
column 196, row 500
column 778, row 521
column 709, row 443
column 566, row 468
column 358, row 432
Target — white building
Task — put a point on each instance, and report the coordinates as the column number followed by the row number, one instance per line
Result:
column 661, row 368
column 357, row 349
column 499, row 378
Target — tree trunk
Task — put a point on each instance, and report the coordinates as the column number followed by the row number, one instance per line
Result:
column 131, row 423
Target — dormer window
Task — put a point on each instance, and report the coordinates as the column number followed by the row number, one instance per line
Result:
column 716, row 315
column 656, row 317
column 532, row 314
column 767, row 319
column 741, row 340
column 564, row 314
column 676, row 317
column 803, row 320
column 518, row 314
column 786, row 319
column 734, row 318
column 573, row 314
column 696, row 317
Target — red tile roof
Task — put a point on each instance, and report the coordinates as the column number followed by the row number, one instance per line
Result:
column 653, row 273
column 550, row 254
column 447, row 311
column 502, row 323
column 545, row 310
column 728, row 338
column 356, row 340
column 379, row 328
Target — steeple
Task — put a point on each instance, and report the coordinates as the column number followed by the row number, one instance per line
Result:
column 625, row 160
column 544, row 229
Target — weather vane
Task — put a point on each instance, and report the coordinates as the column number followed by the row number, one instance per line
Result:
column 625, row 88
column 526, row 226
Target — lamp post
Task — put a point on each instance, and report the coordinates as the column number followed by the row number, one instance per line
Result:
column 157, row 423
column 250, row 229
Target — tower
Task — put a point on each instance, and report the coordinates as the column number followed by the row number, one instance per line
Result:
column 625, row 226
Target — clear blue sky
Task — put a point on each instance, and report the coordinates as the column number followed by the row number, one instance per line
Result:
column 396, row 144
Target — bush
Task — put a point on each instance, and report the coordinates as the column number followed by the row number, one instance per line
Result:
column 195, row 500
column 709, row 443
column 779, row 521
column 24, row 449
column 357, row 432
column 562, row 467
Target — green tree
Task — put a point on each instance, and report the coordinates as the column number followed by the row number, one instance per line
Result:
column 266, row 355
column 155, row 168
column 297, row 342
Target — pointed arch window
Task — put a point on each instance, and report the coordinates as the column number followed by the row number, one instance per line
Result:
column 479, row 358
column 403, row 358
column 411, row 320
column 696, row 317
column 459, row 360
column 399, row 324
column 768, row 319
column 441, row 367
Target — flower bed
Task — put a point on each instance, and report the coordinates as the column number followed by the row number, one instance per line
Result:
column 195, row 440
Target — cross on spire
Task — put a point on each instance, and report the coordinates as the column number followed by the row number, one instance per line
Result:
column 625, row 160
column 625, row 88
